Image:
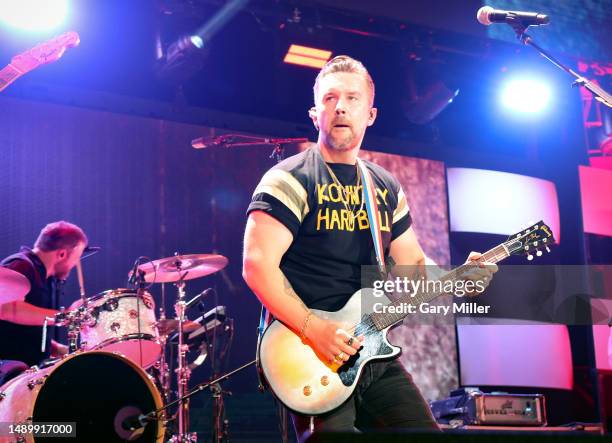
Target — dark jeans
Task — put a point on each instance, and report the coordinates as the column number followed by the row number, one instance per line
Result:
column 385, row 397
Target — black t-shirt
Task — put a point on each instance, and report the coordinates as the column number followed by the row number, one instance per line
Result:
column 20, row 342
column 330, row 243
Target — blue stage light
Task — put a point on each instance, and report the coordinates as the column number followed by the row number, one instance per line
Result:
column 197, row 41
column 33, row 15
column 526, row 95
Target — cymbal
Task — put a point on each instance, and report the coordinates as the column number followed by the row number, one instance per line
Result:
column 170, row 325
column 185, row 267
column 13, row 285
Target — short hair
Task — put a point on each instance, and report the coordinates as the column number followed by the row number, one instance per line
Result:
column 60, row 235
column 344, row 63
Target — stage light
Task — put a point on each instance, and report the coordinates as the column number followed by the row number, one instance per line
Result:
column 433, row 100
column 183, row 59
column 526, row 95
column 305, row 56
column 33, row 15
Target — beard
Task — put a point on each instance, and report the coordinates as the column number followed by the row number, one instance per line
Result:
column 62, row 271
column 339, row 142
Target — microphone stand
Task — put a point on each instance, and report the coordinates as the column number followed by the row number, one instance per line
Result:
column 600, row 94
column 154, row 415
column 239, row 140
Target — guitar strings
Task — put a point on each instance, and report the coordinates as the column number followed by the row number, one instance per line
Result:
column 493, row 255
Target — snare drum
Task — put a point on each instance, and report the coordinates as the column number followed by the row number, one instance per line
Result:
column 115, row 326
column 93, row 393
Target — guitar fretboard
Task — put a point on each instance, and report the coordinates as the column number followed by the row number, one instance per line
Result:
column 385, row 319
column 8, row 75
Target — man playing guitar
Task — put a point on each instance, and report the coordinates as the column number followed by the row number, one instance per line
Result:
column 307, row 237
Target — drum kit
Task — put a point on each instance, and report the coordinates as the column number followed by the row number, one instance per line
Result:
column 117, row 333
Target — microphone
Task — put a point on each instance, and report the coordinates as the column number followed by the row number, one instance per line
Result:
column 134, row 273
column 198, row 298
column 208, row 142
column 487, row 15
column 134, row 422
column 90, row 250
column 130, row 423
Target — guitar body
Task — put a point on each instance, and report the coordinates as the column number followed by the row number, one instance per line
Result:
column 306, row 383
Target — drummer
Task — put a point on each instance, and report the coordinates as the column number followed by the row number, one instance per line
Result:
column 56, row 251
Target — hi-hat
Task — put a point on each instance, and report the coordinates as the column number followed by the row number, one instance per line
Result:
column 170, row 325
column 13, row 286
column 182, row 267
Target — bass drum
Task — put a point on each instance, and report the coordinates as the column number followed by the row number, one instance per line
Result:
column 96, row 391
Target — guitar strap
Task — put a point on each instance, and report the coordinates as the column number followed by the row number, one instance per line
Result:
column 369, row 194
column 264, row 321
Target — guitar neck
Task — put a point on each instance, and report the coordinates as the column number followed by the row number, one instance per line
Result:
column 8, row 75
column 385, row 319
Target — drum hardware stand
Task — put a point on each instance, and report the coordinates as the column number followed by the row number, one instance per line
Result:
column 164, row 376
column 220, row 423
column 73, row 320
column 143, row 419
column 182, row 371
column 140, row 291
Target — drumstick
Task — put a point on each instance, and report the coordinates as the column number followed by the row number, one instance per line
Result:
column 79, row 270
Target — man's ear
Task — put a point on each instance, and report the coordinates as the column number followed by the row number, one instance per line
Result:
column 312, row 113
column 372, row 117
column 62, row 254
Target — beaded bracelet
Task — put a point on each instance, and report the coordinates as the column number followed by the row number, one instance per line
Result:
column 303, row 331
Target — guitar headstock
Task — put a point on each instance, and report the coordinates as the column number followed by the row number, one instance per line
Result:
column 531, row 240
column 44, row 53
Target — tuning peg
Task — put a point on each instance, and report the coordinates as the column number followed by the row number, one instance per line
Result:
column 539, row 253
column 547, row 249
column 530, row 257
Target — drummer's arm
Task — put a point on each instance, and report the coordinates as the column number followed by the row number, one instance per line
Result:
column 24, row 313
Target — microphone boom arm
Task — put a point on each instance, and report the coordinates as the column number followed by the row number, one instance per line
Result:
column 600, row 94
column 239, row 140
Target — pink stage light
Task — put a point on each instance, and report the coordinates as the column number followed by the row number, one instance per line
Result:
column 534, row 355
column 595, row 187
column 494, row 202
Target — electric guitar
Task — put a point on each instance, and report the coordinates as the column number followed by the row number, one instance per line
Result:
column 310, row 385
column 42, row 54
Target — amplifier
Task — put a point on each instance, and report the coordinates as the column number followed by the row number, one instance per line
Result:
column 473, row 407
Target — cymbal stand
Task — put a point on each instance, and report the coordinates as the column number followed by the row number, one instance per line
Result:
column 183, row 372
column 163, row 376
